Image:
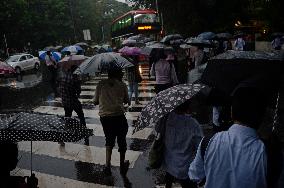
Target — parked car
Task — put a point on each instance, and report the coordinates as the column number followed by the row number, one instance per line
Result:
column 6, row 70
column 23, row 62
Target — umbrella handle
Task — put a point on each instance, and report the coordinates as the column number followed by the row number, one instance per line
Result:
column 275, row 118
column 31, row 157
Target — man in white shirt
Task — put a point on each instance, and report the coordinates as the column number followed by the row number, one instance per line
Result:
column 235, row 158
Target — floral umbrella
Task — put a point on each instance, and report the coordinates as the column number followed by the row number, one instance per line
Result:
column 165, row 102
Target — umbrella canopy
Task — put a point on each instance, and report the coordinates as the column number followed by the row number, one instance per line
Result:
column 25, row 126
column 130, row 51
column 50, row 48
column 185, row 46
column 69, row 61
column 199, row 42
column 224, row 36
column 132, row 43
column 81, row 44
column 165, row 102
column 149, row 50
column 6, row 69
column 140, row 38
column 73, row 49
column 55, row 55
column 259, row 69
column 207, row 35
column 171, row 37
column 103, row 62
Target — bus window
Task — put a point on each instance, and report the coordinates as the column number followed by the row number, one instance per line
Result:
column 146, row 18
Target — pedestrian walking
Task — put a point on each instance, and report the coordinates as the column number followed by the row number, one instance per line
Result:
column 199, row 63
column 164, row 72
column 235, row 158
column 70, row 89
column 52, row 68
column 133, row 78
column 182, row 136
column 8, row 162
column 239, row 44
column 110, row 95
column 277, row 43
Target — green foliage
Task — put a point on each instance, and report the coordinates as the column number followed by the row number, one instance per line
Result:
column 49, row 22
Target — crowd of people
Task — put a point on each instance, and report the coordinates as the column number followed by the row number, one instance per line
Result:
column 236, row 157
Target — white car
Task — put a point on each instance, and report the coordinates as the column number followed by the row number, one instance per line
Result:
column 23, row 62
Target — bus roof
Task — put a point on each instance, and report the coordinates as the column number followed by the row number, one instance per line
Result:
column 145, row 11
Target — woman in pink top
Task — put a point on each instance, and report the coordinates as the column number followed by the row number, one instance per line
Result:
column 164, row 72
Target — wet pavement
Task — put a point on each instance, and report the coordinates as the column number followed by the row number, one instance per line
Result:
column 78, row 165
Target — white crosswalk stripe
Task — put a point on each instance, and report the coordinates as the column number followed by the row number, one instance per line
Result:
column 48, row 181
column 77, row 152
column 87, row 113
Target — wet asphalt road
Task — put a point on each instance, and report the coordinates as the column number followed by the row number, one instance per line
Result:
column 78, row 165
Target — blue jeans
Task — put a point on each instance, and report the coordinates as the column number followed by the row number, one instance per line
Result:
column 133, row 88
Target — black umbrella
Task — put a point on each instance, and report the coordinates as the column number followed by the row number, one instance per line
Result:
column 199, row 42
column 103, row 62
column 171, row 37
column 26, row 126
column 227, row 70
column 151, row 49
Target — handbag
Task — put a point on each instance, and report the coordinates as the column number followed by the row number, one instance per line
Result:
column 156, row 153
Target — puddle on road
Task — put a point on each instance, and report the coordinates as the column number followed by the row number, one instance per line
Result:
column 23, row 92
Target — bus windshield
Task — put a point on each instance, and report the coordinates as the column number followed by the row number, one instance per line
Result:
column 146, row 18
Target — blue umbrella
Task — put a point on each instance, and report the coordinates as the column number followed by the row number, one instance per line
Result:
column 73, row 49
column 55, row 55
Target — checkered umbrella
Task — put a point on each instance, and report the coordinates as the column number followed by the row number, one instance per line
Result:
column 165, row 102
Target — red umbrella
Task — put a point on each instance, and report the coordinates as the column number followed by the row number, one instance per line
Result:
column 6, row 69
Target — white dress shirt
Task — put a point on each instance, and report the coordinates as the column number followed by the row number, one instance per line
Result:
column 233, row 159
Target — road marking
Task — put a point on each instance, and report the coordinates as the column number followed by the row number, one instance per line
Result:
column 87, row 112
column 48, row 181
column 77, row 152
column 143, row 134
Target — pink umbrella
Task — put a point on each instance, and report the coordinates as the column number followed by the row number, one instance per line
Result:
column 6, row 69
column 68, row 61
column 130, row 51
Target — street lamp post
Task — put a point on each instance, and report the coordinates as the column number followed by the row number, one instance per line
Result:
column 72, row 18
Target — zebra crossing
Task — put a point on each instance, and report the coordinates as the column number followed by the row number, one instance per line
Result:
column 78, row 165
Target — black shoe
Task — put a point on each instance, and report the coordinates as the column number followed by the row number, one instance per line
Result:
column 107, row 171
column 61, row 144
column 124, row 168
column 86, row 141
